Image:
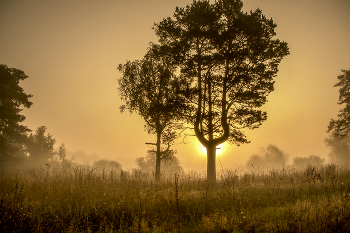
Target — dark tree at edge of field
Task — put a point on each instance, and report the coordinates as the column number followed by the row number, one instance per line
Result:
column 12, row 101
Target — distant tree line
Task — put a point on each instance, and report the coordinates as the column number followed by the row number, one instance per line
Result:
column 338, row 140
column 20, row 146
column 273, row 157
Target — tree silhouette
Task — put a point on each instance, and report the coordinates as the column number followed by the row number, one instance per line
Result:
column 107, row 164
column 170, row 164
column 61, row 157
column 312, row 160
column 341, row 126
column 340, row 149
column 40, row 146
column 148, row 87
column 12, row 98
column 229, row 59
column 271, row 157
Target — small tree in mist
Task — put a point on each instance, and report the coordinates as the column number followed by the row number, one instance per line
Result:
column 229, row 59
column 62, row 153
column 40, row 147
column 148, row 88
column 341, row 127
column 340, row 149
column 312, row 160
column 256, row 161
column 271, row 157
column 170, row 164
column 61, row 157
column 275, row 157
column 12, row 98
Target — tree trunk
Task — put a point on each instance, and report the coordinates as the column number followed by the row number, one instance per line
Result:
column 211, row 163
column 157, row 175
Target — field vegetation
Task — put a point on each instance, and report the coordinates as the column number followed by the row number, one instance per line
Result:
column 84, row 199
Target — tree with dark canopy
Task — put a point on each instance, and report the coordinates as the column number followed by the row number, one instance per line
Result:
column 229, row 59
column 341, row 126
column 148, row 88
column 12, row 100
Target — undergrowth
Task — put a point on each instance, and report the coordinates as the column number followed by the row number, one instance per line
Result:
column 83, row 199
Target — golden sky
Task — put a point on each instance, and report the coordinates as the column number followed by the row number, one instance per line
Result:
column 71, row 49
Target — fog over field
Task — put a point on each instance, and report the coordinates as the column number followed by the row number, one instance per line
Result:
column 71, row 51
column 116, row 116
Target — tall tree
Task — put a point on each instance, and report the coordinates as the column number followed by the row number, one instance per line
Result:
column 341, row 126
column 148, row 88
column 229, row 58
column 12, row 100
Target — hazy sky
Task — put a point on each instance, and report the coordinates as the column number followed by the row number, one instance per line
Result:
column 70, row 50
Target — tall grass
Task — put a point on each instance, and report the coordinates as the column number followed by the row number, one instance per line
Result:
column 82, row 199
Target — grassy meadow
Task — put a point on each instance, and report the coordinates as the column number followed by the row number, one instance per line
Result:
column 83, row 199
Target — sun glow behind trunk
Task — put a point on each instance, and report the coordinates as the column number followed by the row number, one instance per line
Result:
column 219, row 149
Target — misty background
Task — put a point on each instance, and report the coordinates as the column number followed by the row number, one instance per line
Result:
column 71, row 50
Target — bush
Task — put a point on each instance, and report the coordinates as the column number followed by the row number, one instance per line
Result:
column 272, row 157
column 107, row 164
column 312, row 160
